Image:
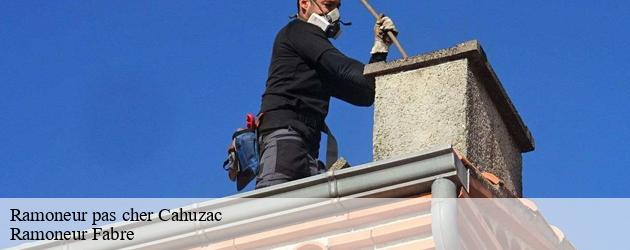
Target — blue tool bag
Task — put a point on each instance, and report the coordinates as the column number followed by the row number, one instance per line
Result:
column 243, row 158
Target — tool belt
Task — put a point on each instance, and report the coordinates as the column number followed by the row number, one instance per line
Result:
column 280, row 118
column 243, row 158
column 243, row 155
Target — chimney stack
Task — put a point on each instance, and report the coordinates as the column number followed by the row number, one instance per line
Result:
column 451, row 96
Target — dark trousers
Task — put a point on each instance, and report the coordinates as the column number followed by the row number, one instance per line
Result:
column 285, row 157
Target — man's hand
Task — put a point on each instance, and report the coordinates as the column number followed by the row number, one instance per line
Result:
column 382, row 42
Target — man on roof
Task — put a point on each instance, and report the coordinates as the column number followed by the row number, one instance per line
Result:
column 306, row 70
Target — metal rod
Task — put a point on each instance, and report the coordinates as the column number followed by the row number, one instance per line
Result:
column 389, row 33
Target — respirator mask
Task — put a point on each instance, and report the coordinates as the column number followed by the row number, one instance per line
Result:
column 330, row 23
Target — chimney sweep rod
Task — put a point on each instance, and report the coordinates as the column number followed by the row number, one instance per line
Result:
column 389, row 33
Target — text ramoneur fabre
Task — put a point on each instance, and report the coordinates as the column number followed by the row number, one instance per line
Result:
column 96, row 217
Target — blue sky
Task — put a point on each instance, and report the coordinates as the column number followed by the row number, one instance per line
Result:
column 140, row 98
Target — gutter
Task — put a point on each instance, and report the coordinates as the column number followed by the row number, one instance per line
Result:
column 393, row 178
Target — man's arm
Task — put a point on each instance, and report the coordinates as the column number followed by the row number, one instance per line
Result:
column 342, row 76
column 345, row 79
column 350, row 84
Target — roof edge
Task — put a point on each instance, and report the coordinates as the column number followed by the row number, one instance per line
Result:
column 401, row 176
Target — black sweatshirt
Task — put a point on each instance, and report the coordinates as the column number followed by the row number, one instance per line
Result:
column 305, row 71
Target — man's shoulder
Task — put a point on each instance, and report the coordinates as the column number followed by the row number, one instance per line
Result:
column 302, row 38
column 298, row 27
column 297, row 24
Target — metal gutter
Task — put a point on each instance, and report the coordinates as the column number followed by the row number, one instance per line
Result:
column 371, row 176
column 394, row 178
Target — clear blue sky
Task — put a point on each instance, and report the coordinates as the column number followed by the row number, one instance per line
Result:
column 140, row 98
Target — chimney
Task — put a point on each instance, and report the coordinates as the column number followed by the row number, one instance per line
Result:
column 451, row 96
